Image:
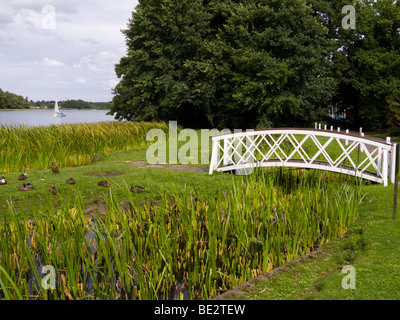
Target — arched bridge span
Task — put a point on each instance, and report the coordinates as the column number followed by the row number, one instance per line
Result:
column 351, row 154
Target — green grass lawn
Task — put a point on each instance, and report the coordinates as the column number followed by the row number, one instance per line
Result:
column 118, row 168
column 371, row 246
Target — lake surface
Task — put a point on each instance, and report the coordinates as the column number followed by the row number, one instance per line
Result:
column 46, row 117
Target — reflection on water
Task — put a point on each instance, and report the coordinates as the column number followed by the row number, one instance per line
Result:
column 46, row 117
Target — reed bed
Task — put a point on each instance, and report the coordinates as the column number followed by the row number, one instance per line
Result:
column 24, row 148
column 187, row 245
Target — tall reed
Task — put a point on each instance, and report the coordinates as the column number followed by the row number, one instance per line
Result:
column 24, row 148
column 199, row 244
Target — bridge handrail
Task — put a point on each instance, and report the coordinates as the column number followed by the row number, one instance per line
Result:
column 380, row 158
column 323, row 133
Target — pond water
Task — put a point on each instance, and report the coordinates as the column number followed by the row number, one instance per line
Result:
column 46, row 117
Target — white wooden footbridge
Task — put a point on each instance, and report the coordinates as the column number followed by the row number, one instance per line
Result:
column 323, row 149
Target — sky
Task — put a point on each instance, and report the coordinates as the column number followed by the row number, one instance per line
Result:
column 64, row 49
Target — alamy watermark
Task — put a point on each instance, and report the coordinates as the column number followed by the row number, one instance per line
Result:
column 349, row 21
column 349, row 281
column 187, row 153
column 49, row 17
column 49, row 279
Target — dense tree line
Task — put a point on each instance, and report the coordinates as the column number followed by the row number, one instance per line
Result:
column 10, row 100
column 259, row 63
column 82, row 105
column 73, row 104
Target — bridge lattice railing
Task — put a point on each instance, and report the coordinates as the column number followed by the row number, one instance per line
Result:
column 329, row 150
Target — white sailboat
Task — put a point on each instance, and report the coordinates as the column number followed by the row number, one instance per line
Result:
column 57, row 112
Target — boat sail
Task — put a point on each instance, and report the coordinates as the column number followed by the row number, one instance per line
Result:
column 57, row 112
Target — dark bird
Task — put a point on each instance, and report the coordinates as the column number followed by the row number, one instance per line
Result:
column 22, row 177
column 26, row 187
column 54, row 168
column 137, row 189
column 53, row 189
column 3, row 181
column 104, row 184
column 71, row 181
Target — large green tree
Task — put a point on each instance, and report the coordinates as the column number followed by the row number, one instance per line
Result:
column 225, row 63
column 367, row 60
column 10, row 100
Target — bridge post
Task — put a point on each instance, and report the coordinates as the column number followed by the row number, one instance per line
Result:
column 393, row 162
column 396, row 179
column 385, row 165
column 226, row 152
column 214, row 156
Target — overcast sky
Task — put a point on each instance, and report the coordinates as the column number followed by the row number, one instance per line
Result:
column 63, row 48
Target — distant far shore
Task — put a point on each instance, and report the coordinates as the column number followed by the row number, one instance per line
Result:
column 31, row 109
column 16, row 109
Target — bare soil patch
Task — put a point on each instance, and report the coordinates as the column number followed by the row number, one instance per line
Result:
column 104, row 174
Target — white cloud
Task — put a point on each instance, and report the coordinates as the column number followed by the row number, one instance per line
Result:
column 37, row 5
column 86, row 43
column 50, row 63
column 103, row 62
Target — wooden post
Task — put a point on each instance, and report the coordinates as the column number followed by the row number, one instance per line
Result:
column 396, row 182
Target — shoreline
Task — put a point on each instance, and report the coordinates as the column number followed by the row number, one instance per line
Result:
column 52, row 109
column 17, row 109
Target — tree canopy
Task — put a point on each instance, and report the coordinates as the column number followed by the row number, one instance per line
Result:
column 10, row 100
column 75, row 104
column 258, row 63
column 369, row 64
